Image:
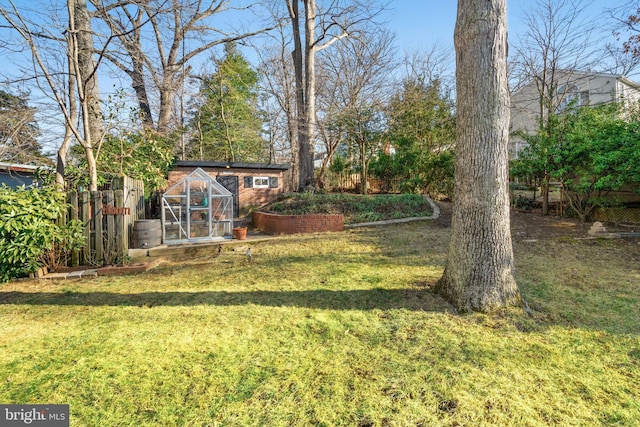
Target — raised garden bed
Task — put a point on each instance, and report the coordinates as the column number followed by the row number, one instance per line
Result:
column 271, row 223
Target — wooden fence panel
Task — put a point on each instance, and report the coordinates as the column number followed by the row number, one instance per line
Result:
column 133, row 191
column 107, row 218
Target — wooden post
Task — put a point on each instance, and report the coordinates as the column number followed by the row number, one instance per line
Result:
column 122, row 246
column 96, row 206
column 85, row 217
column 73, row 216
column 110, row 248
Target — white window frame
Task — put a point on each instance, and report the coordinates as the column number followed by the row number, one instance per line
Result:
column 260, row 182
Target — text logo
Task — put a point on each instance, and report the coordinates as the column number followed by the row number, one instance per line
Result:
column 34, row 415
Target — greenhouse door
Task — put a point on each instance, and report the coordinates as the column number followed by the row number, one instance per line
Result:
column 198, row 200
column 231, row 184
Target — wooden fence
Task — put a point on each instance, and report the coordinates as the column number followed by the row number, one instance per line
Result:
column 348, row 182
column 107, row 217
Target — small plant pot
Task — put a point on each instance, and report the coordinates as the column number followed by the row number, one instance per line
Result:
column 240, row 233
column 219, row 217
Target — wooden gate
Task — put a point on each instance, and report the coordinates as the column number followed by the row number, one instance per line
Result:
column 107, row 217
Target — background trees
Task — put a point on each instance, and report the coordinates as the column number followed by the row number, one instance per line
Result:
column 354, row 87
column 557, row 43
column 559, row 46
column 592, row 150
column 346, row 88
column 227, row 122
column 422, row 132
column 19, row 130
column 154, row 43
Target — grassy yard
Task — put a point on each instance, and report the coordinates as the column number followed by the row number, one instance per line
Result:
column 332, row 329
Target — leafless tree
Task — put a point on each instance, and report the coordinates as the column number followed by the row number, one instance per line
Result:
column 436, row 63
column 355, row 82
column 277, row 81
column 78, row 95
column 156, row 42
column 317, row 27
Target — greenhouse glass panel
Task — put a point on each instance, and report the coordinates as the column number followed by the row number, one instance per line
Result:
column 197, row 208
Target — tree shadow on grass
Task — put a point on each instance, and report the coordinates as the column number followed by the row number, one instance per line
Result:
column 367, row 299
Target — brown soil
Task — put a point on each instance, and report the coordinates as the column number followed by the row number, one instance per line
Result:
column 534, row 226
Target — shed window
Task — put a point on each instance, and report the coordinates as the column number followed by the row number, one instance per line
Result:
column 260, row 182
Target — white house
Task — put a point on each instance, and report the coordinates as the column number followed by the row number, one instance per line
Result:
column 571, row 88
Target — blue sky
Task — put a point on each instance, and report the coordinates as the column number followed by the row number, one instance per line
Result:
column 419, row 24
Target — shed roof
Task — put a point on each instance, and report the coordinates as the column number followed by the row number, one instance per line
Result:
column 231, row 165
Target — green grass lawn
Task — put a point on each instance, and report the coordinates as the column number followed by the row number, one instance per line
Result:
column 332, row 329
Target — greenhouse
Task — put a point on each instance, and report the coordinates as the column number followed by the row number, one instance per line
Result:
column 196, row 209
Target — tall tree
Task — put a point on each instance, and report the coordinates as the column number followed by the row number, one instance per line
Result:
column 157, row 59
column 277, row 83
column 228, row 121
column 323, row 24
column 77, row 96
column 422, row 130
column 353, row 86
column 479, row 274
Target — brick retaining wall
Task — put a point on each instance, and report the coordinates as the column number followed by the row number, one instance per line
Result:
column 290, row 224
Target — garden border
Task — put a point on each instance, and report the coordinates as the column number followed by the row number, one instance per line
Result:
column 276, row 224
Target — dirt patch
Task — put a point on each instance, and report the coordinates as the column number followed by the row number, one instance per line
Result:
column 534, row 226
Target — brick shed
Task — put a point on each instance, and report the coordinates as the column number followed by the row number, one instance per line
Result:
column 252, row 184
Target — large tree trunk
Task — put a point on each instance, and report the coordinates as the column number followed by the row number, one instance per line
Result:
column 306, row 138
column 86, row 76
column 88, row 72
column 63, row 151
column 480, row 267
column 140, row 89
column 304, row 70
column 297, row 58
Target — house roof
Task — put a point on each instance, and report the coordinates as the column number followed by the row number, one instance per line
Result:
column 231, row 165
column 576, row 75
column 14, row 167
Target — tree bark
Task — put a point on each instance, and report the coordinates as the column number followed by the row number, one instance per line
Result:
column 301, row 75
column 88, row 70
column 306, row 133
column 86, row 78
column 479, row 275
column 63, row 151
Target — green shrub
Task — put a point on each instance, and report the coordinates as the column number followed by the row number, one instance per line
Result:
column 29, row 234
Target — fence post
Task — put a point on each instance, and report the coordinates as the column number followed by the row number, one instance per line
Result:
column 122, row 246
column 109, row 239
column 72, row 196
column 96, row 206
column 85, row 217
